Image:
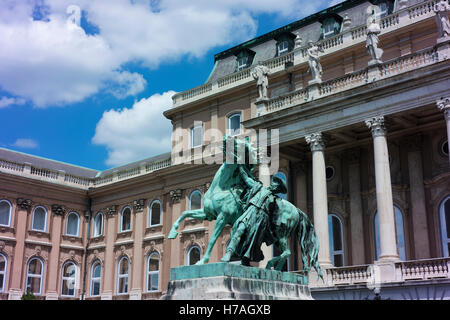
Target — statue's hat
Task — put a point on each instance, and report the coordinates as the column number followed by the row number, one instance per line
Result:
column 279, row 184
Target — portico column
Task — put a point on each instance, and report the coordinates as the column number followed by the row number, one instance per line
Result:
column 320, row 197
column 385, row 206
column 444, row 105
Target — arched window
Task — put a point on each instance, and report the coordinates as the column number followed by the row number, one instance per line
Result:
column 125, row 219
column 39, row 222
column 400, row 234
column 196, row 136
column 5, row 213
column 155, row 213
column 193, row 255
column 96, row 276
column 122, row 275
column 282, row 176
column 195, row 200
column 444, row 214
column 35, row 272
column 98, row 225
column 153, row 272
column 336, row 236
column 69, row 278
column 3, row 269
column 73, row 224
column 234, row 124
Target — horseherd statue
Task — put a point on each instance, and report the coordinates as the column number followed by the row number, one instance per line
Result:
column 255, row 212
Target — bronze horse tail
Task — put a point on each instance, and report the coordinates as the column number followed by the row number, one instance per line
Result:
column 309, row 244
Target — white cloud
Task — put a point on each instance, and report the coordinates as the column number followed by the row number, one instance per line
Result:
column 25, row 143
column 54, row 62
column 6, row 102
column 135, row 133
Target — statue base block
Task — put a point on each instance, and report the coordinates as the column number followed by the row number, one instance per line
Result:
column 228, row 281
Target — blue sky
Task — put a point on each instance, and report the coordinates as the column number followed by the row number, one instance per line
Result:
column 85, row 81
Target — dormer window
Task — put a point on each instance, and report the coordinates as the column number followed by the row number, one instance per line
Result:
column 244, row 59
column 383, row 8
column 242, row 63
column 331, row 25
column 283, row 47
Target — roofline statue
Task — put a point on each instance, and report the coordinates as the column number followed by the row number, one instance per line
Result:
column 259, row 73
column 314, row 62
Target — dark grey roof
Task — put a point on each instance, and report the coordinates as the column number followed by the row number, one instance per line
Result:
column 43, row 163
column 308, row 28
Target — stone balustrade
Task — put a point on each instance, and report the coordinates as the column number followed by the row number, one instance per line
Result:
column 60, row 177
column 345, row 39
column 404, row 271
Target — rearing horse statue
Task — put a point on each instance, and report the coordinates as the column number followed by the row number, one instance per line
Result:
column 222, row 201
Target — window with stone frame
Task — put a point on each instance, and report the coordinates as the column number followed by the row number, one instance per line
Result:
column 3, row 269
column 336, row 239
column 68, row 279
column 98, row 225
column 125, row 219
column 5, row 213
column 193, row 255
column 73, row 224
column 444, row 221
column 234, row 124
column 197, row 136
column 123, row 275
column 155, row 213
column 39, row 220
column 195, row 200
column 35, row 273
column 96, row 276
column 153, row 272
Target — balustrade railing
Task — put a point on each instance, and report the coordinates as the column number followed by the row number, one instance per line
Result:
column 46, row 173
column 348, row 37
column 349, row 275
column 8, row 165
column 77, row 180
column 424, row 269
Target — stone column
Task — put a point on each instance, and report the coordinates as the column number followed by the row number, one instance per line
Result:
column 264, row 177
column 320, row 197
column 417, row 195
column 138, row 252
column 110, row 268
column 23, row 207
column 356, row 211
column 57, row 220
column 444, row 105
column 385, row 206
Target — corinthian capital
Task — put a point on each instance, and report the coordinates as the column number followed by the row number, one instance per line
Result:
column 377, row 125
column 444, row 105
column 316, row 141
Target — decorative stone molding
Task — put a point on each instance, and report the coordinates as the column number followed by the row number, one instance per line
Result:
column 444, row 105
column 58, row 209
column 346, row 23
column 175, row 195
column 139, row 205
column 24, row 204
column 111, row 210
column 377, row 125
column 316, row 141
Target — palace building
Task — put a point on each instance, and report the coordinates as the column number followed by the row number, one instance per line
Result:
column 363, row 148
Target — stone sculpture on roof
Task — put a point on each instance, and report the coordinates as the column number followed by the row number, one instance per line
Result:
column 373, row 29
column 259, row 73
column 441, row 9
column 314, row 62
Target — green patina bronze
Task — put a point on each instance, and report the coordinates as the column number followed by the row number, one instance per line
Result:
column 255, row 213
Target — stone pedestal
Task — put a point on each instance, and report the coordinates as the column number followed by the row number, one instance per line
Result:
column 216, row 281
column 261, row 106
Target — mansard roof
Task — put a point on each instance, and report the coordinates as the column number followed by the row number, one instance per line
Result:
column 309, row 28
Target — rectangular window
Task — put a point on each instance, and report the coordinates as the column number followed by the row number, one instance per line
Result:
column 242, row 63
column 328, row 29
column 196, row 136
column 283, row 47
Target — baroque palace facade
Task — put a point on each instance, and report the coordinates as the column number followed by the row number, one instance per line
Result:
column 363, row 147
